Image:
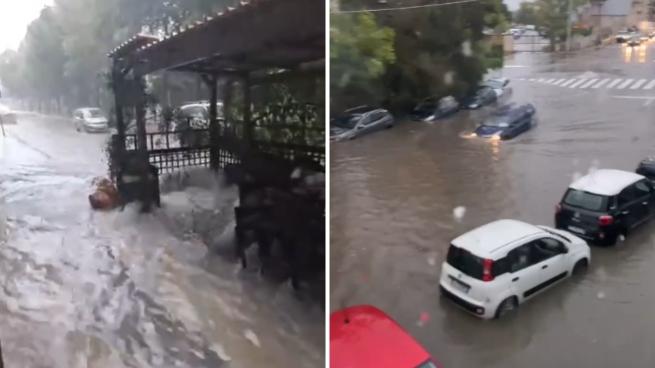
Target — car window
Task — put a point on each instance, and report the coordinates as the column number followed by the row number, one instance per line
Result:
column 585, row 200
column 522, row 257
column 628, row 195
column 642, row 189
column 370, row 119
column 465, row 261
column 545, row 248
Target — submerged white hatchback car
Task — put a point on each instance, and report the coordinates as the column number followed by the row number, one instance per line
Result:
column 490, row 270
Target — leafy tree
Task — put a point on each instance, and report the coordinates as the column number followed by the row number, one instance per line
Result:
column 437, row 51
column 360, row 51
column 527, row 14
column 553, row 16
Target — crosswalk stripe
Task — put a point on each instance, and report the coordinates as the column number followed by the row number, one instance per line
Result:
column 638, row 83
column 614, row 83
column 601, row 83
column 589, row 83
column 540, row 80
column 579, row 82
column 567, row 82
column 531, row 79
column 650, row 85
column 550, row 81
column 625, row 84
column 558, row 82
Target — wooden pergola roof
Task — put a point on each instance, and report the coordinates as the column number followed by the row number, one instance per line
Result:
column 256, row 35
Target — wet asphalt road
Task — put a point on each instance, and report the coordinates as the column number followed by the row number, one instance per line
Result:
column 393, row 194
column 88, row 289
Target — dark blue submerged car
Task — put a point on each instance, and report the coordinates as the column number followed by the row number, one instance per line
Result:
column 507, row 122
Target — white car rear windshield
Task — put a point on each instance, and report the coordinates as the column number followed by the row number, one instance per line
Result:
column 465, row 262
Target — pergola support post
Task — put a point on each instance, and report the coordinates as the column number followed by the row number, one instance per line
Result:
column 214, row 134
column 142, row 144
column 248, row 125
column 118, row 86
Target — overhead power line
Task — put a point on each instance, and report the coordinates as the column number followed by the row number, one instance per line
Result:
column 403, row 7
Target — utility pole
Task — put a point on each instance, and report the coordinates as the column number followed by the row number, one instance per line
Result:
column 568, row 26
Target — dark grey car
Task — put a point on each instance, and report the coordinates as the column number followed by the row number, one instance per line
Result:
column 359, row 121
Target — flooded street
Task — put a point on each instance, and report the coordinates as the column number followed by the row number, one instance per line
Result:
column 394, row 196
column 118, row 289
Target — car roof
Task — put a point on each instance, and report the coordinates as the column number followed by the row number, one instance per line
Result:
column 486, row 239
column 360, row 110
column 364, row 336
column 607, row 182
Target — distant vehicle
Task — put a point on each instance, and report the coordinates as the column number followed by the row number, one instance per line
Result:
column 530, row 27
column 432, row 108
column 508, row 122
column 490, row 270
column 622, row 36
column 499, row 85
column 7, row 116
column 194, row 115
column 647, row 168
column 90, row 119
column 483, row 96
column 364, row 336
column 359, row 121
column 644, row 37
column 634, row 41
column 606, row 204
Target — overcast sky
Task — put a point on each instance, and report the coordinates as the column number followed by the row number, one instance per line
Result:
column 513, row 4
column 15, row 16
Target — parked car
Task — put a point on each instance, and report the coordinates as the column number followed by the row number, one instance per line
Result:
column 432, row 108
column 364, row 336
column 622, row 36
column 7, row 116
column 606, row 204
column 359, row 121
column 647, row 168
column 644, row 37
column 194, row 115
column 499, row 85
column 508, row 122
column 490, row 270
column 481, row 97
column 90, row 119
column 634, row 41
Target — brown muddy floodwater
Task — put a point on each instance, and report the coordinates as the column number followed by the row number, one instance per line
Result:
column 393, row 200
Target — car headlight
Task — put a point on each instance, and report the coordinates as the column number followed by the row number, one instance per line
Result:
column 474, row 106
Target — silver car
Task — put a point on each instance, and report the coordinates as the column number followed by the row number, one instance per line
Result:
column 90, row 119
column 358, row 121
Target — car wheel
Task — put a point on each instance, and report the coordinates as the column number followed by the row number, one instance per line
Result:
column 580, row 267
column 507, row 307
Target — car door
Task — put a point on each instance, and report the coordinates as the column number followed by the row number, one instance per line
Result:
column 644, row 199
column 554, row 262
column 524, row 271
column 631, row 210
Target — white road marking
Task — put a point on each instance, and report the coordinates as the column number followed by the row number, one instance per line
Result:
column 568, row 82
column 601, row 83
column 540, row 80
column 638, row 83
column 579, row 82
column 589, row 83
column 625, row 84
column 649, row 102
column 531, row 79
column 558, row 82
column 614, row 83
column 650, row 85
column 550, row 81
